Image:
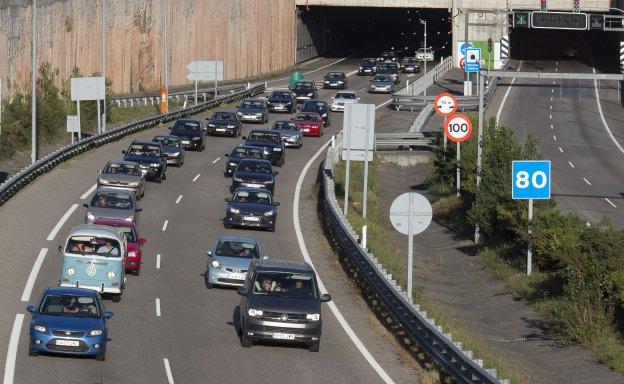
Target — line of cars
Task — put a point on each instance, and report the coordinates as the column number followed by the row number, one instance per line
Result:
column 387, row 71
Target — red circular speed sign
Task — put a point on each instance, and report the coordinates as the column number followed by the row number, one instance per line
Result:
column 445, row 104
column 458, row 128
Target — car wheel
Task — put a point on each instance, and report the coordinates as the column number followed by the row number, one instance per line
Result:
column 143, row 192
column 314, row 347
column 32, row 352
column 206, row 280
column 201, row 148
column 101, row 357
column 226, row 225
column 282, row 161
column 136, row 272
column 244, row 340
column 158, row 180
column 116, row 298
column 164, row 175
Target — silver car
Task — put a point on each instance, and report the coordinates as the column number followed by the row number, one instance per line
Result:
column 122, row 175
column 112, row 204
column 229, row 259
column 382, row 84
column 343, row 98
column 290, row 132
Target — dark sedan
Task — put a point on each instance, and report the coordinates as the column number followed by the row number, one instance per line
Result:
column 281, row 101
column 391, row 69
column 317, row 106
column 305, row 90
column 271, row 142
column 335, row 80
column 191, row 133
column 253, row 111
column 172, row 148
column 367, row 67
column 150, row 157
column 410, row 65
column 224, row 124
column 239, row 153
column 254, row 173
column 249, row 207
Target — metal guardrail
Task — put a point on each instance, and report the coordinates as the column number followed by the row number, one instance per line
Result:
column 423, row 116
column 204, row 94
column 405, row 140
column 413, row 323
column 30, row 173
column 422, row 83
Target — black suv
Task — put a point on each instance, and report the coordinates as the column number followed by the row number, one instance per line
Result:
column 150, row 156
column 280, row 302
column 254, row 173
column 367, row 67
column 391, row 69
column 239, row 153
column 191, row 133
column 305, row 90
column 224, row 123
column 271, row 142
column 335, row 80
column 281, row 101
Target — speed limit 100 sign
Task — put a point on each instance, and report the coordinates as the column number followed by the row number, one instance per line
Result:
column 445, row 104
column 458, row 128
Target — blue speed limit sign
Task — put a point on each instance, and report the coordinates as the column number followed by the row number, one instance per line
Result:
column 530, row 179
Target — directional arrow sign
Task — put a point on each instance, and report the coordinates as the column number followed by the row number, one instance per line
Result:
column 205, row 70
column 200, row 76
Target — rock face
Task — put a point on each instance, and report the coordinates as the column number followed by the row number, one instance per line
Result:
column 251, row 37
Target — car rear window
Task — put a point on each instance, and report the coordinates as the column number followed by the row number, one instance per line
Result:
column 254, row 166
column 285, row 126
column 252, row 104
column 253, row 153
column 345, row 95
column 168, row 141
column 308, row 117
column 144, row 150
column 254, row 197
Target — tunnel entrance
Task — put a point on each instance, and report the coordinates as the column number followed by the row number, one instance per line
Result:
column 341, row 31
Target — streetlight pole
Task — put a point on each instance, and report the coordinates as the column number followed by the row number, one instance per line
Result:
column 33, row 108
column 165, row 48
column 104, row 62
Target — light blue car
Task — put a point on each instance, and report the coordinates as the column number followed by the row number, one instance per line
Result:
column 229, row 259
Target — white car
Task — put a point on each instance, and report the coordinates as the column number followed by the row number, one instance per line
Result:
column 343, row 98
column 424, row 54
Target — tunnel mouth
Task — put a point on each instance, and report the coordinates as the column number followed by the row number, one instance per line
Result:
column 368, row 31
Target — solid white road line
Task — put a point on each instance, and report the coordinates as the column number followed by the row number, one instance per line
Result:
column 168, row 371
column 571, row 165
column 602, row 116
column 382, row 104
column 9, row 365
column 61, row 222
column 587, row 181
column 554, row 137
column 158, row 261
column 164, row 228
column 178, row 200
column 196, row 177
column 30, row 283
column 157, row 307
column 560, row 150
column 332, row 306
column 500, row 107
column 88, row 192
column 609, row 201
column 215, row 160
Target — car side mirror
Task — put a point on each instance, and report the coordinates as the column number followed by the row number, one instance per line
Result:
column 276, row 203
column 208, row 253
column 123, row 152
column 31, row 309
column 142, row 241
column 85, row 205
column 242, row 291
column 358, row 99
column 108, row 314
column 265, row 257
column 227, row 155
column 325, row 298
column 238, row 106
column 276, row 173
column 100, row 171
column 138, row 209
column 227, row 200
column 60, row 248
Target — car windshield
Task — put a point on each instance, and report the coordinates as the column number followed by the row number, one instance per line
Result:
column 285, row 284
column 69, row 305
column 168, row 141
column 285, row 126
column 280, row 95
column 252, row 104
column 221, row 116
column 144, row 150
column 254, row 153
column 254, row 197
column 122, row 169
column 256, row 167
column 368, row 62
column 235, row 248
column 335, row 76
column 313, row 106
column 112, row 200
column 386, row 67
column 308, row 117
column 93, row 245
column 262, row 136
column 380, row 78
column 410, row 60
column 345, row 95
column 186, row 126
column 303, row 86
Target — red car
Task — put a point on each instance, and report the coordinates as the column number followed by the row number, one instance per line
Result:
column 311, row 123
column 134, row 243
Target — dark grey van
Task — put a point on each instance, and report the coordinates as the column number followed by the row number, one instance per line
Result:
column 280, row 302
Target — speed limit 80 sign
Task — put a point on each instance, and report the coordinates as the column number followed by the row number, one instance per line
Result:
column 530, row 179
column 458, row 128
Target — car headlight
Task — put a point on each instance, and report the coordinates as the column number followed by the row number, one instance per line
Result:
column 216, row 264
column 311, row 94
column 196, row 138
column 326, row 81
column 234, row 210
column 175, row 154
column 129, row 218
column 258, row 114
column 40, row 328
column 360, row 68
column 132, row 254
column 265, row 151
column 313, row 316
column 268, row 182
column 231, row 126
column 269, row 213
column 133, row 184
column 104, row 181
column 237, row 178
column 239, row 113
column 255, row 312
column 96, row 332
column 155, row 165
column 71, row 271
column 211, row 125
column 277, row 149
column 111, row 275
column 233, row 164
column 90, row 216
column 340, row 82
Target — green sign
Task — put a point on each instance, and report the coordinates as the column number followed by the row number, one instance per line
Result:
column 521, row 19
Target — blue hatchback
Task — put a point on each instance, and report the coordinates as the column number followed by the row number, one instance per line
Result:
column 69, row 321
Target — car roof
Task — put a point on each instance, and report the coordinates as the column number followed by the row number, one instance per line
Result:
column 56, row 290
column 115, row 223
column 96, row 230
column 284, row 266
column 187, row 121
column 250, row 160
column 123, row 162
column 254, row 100
column 237, row 238
column 249, row 189
column 144, row 142
column 263, row 131
column 168, row 136
column 112, row 190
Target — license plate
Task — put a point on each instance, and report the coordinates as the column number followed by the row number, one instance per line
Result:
column 68, row 343
column 220, row 129
column 251, row 218
column 283, row 336
column 236, row 276
column 333, row 84
column 186, row 142
column 254, row 185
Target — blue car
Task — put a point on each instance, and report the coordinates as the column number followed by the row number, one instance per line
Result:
column 69, row 321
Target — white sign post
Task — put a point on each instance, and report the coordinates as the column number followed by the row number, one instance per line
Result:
column 88, row 89
column 458, row 129
column 359, row 128
column 73, row 126
column 205, row 71
column 410, row 214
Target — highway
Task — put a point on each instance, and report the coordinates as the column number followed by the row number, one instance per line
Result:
column 168, row 327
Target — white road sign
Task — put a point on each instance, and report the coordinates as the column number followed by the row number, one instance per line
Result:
column 458, row 128
column 73, row 124
column 414, row 207
column 445, row 104
column 205, row 71
column 87, row 88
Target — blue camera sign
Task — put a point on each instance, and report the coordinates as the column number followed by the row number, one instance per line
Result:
column 530, row 179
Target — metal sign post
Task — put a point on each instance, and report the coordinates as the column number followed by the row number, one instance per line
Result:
column 445, row 104
column 365, row 188
column 410, row 214
column 88, row 89
column 205, row 71
column 458, row 129
column 479, row 143
column 348, row 166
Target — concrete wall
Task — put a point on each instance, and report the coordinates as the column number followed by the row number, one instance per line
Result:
column 587, row 5
column 252, row 37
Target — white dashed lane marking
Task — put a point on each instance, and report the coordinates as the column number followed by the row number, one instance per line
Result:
column 587, row 181
column 196, row 177
column 571, row 165
column 168, row 371
column 215, row 160
column 158, row 307
column 609, row 201
column 178, row 200
column 158, row 260
column 164, row 228
column 560, row 150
